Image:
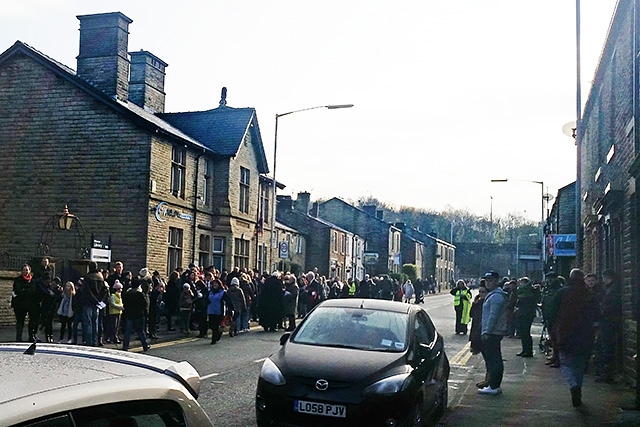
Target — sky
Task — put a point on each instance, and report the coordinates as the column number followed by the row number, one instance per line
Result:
column 447, row 95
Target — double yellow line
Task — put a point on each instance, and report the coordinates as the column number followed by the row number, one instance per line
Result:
column 463, row 356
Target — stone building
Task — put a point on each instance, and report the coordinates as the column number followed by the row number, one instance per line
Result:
column 435, row 258
column 609, row 168
column 562, row 221
column 382, row 240
column 166, row 188
column 328, row 246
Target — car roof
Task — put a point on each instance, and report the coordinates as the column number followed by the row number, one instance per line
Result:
column 30, row 370
column 367, row 303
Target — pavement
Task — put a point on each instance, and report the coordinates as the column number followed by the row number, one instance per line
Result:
column 533, row 393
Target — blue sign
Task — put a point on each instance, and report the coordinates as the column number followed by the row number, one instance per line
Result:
column 564, row 245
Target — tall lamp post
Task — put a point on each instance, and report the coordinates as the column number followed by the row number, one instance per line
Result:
column 542, row 199
column 518, row 251
column 275, row 158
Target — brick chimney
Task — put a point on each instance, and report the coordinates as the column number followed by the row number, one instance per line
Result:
column 146, row 84
column 103, row 60
column 285, row 203
column 302, row 202
column 315, row 208
column 369, row 210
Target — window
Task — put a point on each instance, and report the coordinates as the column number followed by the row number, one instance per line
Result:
column 178, row 171
column 262, row 257
column 244, row 190
column 241, row 253
column 174, row 255
column 334, row 241
column 424, row 330
column 218, row 244
column 207, row 184
column 264, row 204
column 343, row 244
column 298, row 244
column 205, row 248
column 217, row 262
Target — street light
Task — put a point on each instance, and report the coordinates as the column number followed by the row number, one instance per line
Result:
column 275, row 157
column 542, row 199
column 518, row 251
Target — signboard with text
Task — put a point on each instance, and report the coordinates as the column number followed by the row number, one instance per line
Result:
column 564, row 245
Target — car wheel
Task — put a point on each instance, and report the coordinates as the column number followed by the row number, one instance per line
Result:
column 416, row 414
column 444, row 402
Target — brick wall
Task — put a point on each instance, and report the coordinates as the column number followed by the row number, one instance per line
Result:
column 6, row 285
column 60, row 147
column 609, row 196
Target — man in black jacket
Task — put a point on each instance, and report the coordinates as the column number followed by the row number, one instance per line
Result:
column 135, row 314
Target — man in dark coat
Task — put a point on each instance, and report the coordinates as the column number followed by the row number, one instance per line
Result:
column 93, row 297
column 574, row 331
column 270, row 308
column 135, row 304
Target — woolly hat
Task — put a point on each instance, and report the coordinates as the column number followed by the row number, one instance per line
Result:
column 235, row 281
column 117, row 284
column 144, row 272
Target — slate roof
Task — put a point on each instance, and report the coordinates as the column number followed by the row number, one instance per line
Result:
column 221, row 129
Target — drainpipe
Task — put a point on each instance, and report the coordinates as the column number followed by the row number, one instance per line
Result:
column 195, row 206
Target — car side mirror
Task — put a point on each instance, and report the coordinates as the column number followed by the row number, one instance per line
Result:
column 285, row 338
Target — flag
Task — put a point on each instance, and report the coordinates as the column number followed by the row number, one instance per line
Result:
column 260, row 224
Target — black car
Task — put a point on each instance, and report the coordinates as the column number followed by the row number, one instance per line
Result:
column 356, row 362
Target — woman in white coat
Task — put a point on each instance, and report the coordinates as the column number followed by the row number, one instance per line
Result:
column 408, row 291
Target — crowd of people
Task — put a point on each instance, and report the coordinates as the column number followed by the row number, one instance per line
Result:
column 581, row 316
column 110, row 305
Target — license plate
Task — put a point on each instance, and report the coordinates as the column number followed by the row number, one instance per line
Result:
column 324, row 409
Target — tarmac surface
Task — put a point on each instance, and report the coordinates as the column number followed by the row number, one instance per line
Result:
column 533, row 394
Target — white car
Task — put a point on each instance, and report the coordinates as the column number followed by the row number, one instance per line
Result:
column 49, row 385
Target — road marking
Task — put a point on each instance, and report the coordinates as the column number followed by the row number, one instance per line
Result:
column 462, row 355
column 206, row 377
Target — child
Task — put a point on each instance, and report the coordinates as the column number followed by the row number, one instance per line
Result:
column 112, row 325
column 65, row 311
column 186, row 302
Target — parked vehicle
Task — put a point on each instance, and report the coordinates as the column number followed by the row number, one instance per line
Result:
column 50, row 385
column 356, row 362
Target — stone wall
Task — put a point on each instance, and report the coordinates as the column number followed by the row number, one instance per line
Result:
column 6, row 285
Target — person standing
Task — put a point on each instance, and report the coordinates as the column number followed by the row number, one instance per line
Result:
column 270, row 309
column 290, row 300
column 92, row 297
column 239, row 304
column 25, row 300
column 219, row 306
column 610, row 327
column 475, row 335
column 65, row 311
column 135, row 304
column 408, row 290
column 525, row 312
column 494, row 327
column 574, row 331
column 112, row 322
column 462, row 306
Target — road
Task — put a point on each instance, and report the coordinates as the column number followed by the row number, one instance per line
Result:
column 230, row 369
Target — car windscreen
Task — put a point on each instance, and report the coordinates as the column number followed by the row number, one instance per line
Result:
column 357, row 328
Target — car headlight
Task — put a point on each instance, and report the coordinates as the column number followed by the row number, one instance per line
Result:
column 389, row 385
column 271, row 374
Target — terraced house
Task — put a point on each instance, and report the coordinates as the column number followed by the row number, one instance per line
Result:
column 166, row 188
